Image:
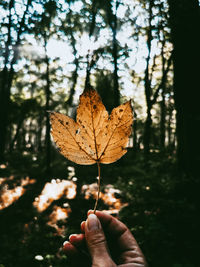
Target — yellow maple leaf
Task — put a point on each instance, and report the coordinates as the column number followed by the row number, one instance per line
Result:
column 95, row 137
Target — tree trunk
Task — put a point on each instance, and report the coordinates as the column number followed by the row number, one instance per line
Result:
column 4, row 89
column 147, row 133
column 47, row 106
column 115, row 58
column 76, row 62
column 169, row 128
column 74, row 82
column 112, row 22
column 39, row 132
column 147, row 86
column 184, row 20
column 90, row 62
column 4, row 111
column 135, row 144
column 162, row 121
column 163, row 104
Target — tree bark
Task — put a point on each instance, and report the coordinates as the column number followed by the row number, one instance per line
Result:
column 184, row 21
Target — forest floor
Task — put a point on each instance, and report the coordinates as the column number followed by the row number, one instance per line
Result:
column 39, row 211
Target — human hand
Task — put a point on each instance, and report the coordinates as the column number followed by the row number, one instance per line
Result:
column 109, row 242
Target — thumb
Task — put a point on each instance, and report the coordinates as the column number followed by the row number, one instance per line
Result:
column 96, row 242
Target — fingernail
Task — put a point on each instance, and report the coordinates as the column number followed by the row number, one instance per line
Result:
column 92, row 222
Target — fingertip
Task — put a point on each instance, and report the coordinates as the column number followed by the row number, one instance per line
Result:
column 97, row 212
column 83, row 226
column 72, row 238
column 67, row 247
column 66, row 243
column 76, row 238
column 90, row 212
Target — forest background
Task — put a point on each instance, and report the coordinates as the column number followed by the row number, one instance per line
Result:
column 144, row 50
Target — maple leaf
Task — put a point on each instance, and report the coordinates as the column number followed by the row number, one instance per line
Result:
column 95, row 137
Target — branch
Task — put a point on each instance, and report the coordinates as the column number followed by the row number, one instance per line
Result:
column 153, row 101
column 153, row 67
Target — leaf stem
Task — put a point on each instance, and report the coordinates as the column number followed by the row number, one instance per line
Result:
column 99, row 184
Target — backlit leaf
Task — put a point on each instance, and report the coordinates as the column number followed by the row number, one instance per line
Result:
column 95, row 136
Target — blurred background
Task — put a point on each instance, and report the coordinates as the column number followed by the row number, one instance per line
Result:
column 143, row 50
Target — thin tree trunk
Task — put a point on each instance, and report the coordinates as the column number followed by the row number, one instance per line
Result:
column 74, row 82
column 163, row 121
column 169, row 127
column 4, row 94
column 115, row 58
column 135, row 144
column 39, row 132
column 148, row 89
column 88, row 69
column 147, row 132
column 90, row 63
column 163, row 104
column 76, row 62
column 47, row 107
